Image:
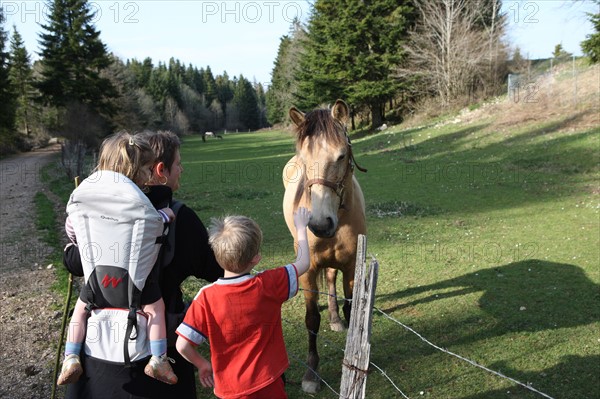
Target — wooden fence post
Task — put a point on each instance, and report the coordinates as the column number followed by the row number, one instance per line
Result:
column 358, row 348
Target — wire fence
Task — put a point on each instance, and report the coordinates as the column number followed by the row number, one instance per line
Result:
column 394, row 384
column 554, row 78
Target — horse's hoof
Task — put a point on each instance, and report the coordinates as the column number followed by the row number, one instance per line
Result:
column 337, row 326
column 311, row 386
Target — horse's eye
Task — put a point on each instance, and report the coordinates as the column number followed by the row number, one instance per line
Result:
column 341, row 157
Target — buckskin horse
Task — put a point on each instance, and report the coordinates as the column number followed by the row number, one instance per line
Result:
column 321, row 178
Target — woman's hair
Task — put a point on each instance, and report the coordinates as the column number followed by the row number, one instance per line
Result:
column 235, row 240
column 126, row 154
column 164, row 144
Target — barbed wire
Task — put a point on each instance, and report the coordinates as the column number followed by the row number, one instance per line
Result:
column 296, row 358
column 473, row 363
column 335, row 346
column 461, row 357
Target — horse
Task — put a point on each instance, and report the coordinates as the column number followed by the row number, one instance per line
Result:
column 321, row 178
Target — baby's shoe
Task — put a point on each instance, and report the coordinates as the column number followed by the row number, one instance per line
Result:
column 159, row 368
column 71, row 370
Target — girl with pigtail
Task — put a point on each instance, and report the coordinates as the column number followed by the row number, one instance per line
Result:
column 132, row 159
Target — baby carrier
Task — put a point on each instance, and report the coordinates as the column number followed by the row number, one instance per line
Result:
column 119, row 233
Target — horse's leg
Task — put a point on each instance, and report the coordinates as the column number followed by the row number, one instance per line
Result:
column 310, row 381
column 335, row 322
column 348, row 288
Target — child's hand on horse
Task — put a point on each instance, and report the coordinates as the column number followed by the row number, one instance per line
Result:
column 301, row 218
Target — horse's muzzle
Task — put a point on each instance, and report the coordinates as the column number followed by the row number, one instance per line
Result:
column 323, row 228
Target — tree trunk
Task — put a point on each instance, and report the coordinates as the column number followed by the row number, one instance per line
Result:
column 376, row 118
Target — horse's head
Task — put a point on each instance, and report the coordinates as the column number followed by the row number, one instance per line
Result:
column 323, row 149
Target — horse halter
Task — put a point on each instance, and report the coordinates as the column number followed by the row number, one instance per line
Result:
column 339, row 186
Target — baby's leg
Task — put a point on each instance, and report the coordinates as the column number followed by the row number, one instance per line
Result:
column 157, row 326
column 71, row 369
column 158, row 367
column 78, row 324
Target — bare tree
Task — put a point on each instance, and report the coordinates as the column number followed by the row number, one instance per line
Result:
column 452, row 48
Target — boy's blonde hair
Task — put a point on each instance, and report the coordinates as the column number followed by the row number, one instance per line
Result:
column 126, row 154
column 235, row 240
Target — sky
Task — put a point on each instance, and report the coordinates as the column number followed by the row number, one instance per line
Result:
column 241, row 37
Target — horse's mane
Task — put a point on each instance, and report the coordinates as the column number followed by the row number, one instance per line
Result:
column 320, row 123
column 317, row 123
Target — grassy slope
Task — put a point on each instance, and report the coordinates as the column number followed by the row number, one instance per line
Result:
column 493, row 225
column 487, row 237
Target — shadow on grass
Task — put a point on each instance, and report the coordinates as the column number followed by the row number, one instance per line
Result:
column 531, row 295
column 526, row 297
column 579, row 373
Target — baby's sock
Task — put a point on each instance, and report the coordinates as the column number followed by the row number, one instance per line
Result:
column 158, row 347
column 73, row 348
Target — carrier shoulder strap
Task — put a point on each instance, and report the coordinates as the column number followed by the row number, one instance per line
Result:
column 168, row 247
column 135, row 303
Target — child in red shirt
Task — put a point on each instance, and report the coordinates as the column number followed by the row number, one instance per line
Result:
column 240, row 314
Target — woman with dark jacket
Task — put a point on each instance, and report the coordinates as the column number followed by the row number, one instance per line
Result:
column 187, row 246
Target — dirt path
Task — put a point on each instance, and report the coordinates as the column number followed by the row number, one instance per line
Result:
column 29, row 321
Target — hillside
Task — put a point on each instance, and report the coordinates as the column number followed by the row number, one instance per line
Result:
column 567, row 95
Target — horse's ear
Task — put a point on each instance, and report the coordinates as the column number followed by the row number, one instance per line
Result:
column 296, row 116
column 340, row 111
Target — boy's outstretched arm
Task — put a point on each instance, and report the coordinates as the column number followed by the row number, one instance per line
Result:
column 189, row 353
column 301, row 218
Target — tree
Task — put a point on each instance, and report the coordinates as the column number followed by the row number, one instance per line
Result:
column 20, row 75
column 210, row 87
column 518, row 63
column 129, row 114
column 284, row 82
column 261, row 99
column 352, row 50
column 8, row 106
column 449, row 49
column 591, row 45
column 246, row 104
column 141, row 70
column 73, row 57
column 224, row 92
column 560, row 52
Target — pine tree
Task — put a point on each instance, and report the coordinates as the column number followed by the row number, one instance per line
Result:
column 20, row 75
column 560, row 52
column 261, row 99
column 210, row 87
column 284, row 82
column 246, row 103
column 224, row 92
column 141, row 70
column 73, row 57
column 352, row 50
column 591, row 45
column 7, row 103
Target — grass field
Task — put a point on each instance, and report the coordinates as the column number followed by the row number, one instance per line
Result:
column 487, row 244
column 487, row 234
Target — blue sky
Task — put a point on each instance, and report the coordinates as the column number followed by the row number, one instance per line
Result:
column 242, row 37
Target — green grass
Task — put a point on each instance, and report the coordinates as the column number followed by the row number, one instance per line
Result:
column 487, row 243
column 47, row 220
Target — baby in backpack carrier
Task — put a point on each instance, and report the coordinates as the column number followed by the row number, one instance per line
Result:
column 131, row 156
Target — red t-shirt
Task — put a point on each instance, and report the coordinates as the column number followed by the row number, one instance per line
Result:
column 241, row 319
